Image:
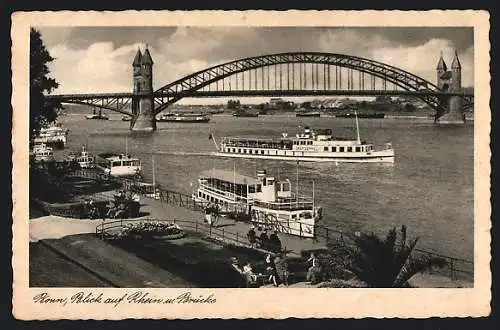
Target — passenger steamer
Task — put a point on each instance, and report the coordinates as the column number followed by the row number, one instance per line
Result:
column 267, row 201
column 53, row 136
column 311, row 145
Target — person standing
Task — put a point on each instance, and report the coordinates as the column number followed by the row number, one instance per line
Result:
column 271, row 270
column 313, row 271
column 282, row 270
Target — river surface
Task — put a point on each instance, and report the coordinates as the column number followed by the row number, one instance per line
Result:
column 429, row 188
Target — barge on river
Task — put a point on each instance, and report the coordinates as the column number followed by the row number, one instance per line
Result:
column 311, row 145
column 184, row 118
column 265, row 200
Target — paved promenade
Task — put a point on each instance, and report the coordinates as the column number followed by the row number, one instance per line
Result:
column 51, row 228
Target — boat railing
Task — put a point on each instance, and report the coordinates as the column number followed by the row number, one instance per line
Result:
column 222, row 193
column 290, row 206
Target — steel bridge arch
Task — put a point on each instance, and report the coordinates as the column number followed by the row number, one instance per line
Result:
column 185, row 86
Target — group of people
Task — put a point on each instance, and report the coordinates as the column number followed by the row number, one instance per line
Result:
column 276, row 272
column 262, row 240
column 91, row 210
column 212, row 214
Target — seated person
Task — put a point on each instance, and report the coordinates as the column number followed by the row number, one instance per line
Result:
column 274, row 242
column 264, row 240
column 252, row 236
column 251, row 278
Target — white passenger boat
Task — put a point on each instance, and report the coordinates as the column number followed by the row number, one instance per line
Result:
column 267, row 201
column 312, row 145
column 41, row 152
column 118, row 165
column 84, row 159
column 52, row 136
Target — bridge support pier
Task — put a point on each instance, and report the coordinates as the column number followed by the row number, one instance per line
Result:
column 144, row 117
column 454, row 114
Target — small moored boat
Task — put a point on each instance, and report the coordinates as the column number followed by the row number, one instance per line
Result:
column 41, row 152
column 118, row 164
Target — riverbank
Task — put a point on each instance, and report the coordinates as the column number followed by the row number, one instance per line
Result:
column 163, row 264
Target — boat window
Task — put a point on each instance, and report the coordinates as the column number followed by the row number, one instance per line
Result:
column 199, row 193
column 259, row 188
column 244, row 151
column 262, row 152
column 116, row 163
column 239, row 150
column 251, row 189
column 136, row 163
column 310, row 142
column 127, row 163
column 341, row 149
column 358, row 149
column 325, row 148
column 285, row 187
column 294, row 216
column 334, row 149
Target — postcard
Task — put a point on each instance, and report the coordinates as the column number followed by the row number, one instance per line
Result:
column 251, row 164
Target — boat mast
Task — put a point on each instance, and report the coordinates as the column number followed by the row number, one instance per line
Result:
column 313, row 199
column 234, row 182
column 154, row 177
column 297, row 185
column 126, row 146
column 357, row 126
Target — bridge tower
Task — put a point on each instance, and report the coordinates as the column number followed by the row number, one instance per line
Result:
column 450, row 81
column 143, row 101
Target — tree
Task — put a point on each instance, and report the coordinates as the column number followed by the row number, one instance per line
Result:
column 389, row 262
column 42, row 111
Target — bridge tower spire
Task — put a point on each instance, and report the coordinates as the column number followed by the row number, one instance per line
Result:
column 441, row 70
column 143, row 101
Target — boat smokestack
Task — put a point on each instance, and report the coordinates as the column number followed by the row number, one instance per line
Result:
column 261, row 174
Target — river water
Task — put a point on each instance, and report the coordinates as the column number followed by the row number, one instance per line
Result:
column 429, row 188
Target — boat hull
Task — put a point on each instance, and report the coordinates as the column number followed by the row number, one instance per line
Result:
column 385, row 156
column 308, row 115
column 184, row 120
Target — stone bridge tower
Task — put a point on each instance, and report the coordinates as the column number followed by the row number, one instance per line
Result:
column 143, row 101
column 450, row 81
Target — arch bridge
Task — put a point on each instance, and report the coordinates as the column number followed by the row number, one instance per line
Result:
column 284, row 74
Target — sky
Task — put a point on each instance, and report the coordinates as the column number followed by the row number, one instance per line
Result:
column 99, row 59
